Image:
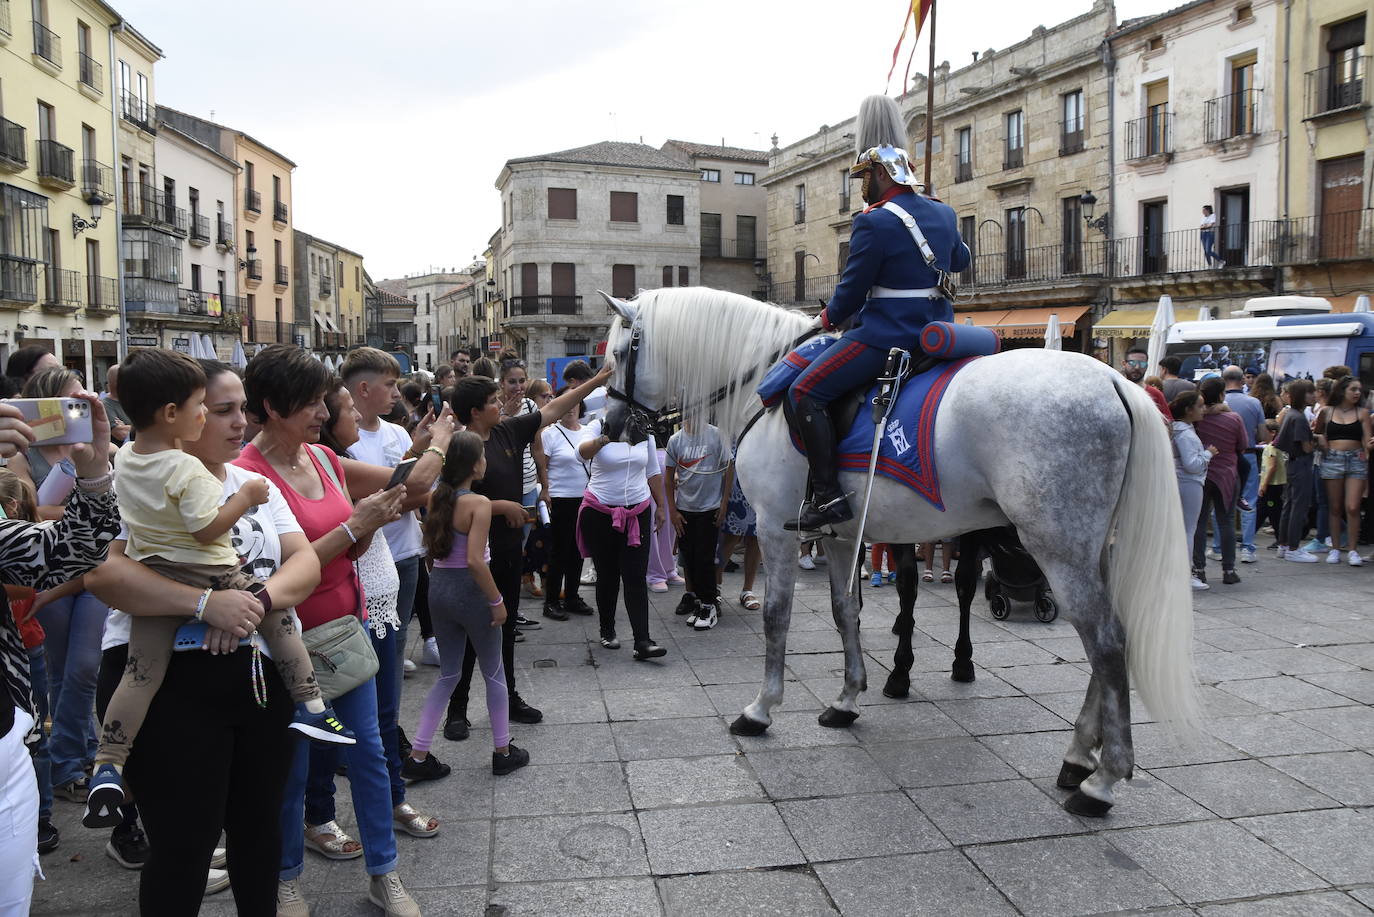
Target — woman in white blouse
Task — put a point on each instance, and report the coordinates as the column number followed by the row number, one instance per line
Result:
column 567, row 476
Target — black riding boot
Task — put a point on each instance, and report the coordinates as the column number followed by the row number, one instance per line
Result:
column 828, row 505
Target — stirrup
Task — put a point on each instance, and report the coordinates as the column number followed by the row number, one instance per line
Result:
column 794, row 525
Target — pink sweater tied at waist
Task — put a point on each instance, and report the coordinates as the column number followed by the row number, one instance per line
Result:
column 620, row 517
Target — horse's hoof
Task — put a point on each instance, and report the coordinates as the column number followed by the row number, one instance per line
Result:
column 1071, row 775
column 1081, row 803
column 897, row 686
column 836, row 719
column 743, row 726
column 963, row 671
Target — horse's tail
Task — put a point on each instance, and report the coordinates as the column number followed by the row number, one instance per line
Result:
column 1148, row 570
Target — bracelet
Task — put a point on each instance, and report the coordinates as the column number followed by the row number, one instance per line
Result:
column 99, row 483
column 349, row 532
column 436, row 450
column 262, row 596
column 200, row 605
column 497, row 602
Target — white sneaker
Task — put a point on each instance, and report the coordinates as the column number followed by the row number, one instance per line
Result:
column 410, row 666
column 430, row 654
column 219, row 858
column 1280, row 551
column 1333, row 557
column 589, row 576
column 1199, row 585
column 1300, row 557
column 1213, row 554
column 1247, row 556
column 387, row 892
column 216, row 880
column 290, row 903
column 706, row 618
column 805, row 562
column 1355, row 560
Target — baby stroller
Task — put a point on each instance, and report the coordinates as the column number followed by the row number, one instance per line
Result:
column 1011, row 573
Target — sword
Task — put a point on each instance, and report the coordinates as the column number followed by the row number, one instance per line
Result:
column 891, row 379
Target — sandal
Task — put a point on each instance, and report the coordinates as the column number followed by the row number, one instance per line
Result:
column 339, row 845
column 412, row 822
column 946, row 577
column 750, row 601
column 928, row 576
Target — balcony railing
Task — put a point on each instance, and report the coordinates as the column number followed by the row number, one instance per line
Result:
column 963, row 170
column 272, row 332
column 97, row 179
column 326, row 287
column 150, row 204
column 1152, row 135
column 61, row 289
column 1235, row 246
column 5, row 17
column 18, row 280
column 1345, row 85
column 46, row 44
column 254, row 268
column 813, row 290
column 252, row 200
column 279, row 211
column 545, row 305
column 56, row 162
column 13, row 149
column 136, row 111
column 91, row 73
column 283, row 275
column 1041, row 264
column 1234, row 115
column 102, row 294
column 1344, row 236
column 200, row 228
column 1070, row 137
column 224, row 232
column 1014, row 158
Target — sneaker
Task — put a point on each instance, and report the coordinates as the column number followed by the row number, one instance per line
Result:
column 519, row 637
column 806, row 562
column 429, row 769
column 48, row 836
column 1301, row 557
column 589, row 576
column 1230, row 578
column 457, row 730
column 290, row 902
column 1279, row 551
column 610, row 643
column 323, row 726
column 658, row 586
column 820, row 560
column 892, row 576
column 1315, row 547
column 128, row 847
column 219, row 858
column 706, row 618
column 1199, row 585
column 687, row 605
column 578, row 606
column 402, row 743
column 514, row 759
column 217, row 880
column 1200, row 576
column 651, row 650
column 408, row 666
column 526, row 623
column 876, row 580
column 676, row 580
column 430, row 654
column 1247, row 555
column 1213, row 554
column 1333, row 557
column 521, row 712
column 1355, row 560
column 387, row 892
column 74, row 791
column 106, row 796
column 554, row 611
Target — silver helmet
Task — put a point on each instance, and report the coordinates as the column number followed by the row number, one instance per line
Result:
column 892, row 158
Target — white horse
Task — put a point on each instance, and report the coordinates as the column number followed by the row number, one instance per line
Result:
column 1056, row 444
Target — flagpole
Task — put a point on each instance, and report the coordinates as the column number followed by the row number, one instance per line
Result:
column 930, row 100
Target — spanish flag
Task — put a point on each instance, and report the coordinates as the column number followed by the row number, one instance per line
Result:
column 919, row 10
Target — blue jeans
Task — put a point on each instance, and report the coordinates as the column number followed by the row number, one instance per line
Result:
column 1250, row 494
column 74, row 626
column 1323, row 521
column 1209, row 248
column 367, row 780
column 42, row 760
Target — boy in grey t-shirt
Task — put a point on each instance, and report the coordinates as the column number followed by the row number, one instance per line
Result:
column 696, row 460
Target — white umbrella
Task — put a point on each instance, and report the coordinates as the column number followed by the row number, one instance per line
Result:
column 239, row 360
column 1362, row 304
column 1159, row 330
column 1204, row 314
column 1054, row 339
column 197, row 347
column 208, row 345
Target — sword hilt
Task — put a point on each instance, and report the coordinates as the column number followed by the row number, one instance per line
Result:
column 888, row 380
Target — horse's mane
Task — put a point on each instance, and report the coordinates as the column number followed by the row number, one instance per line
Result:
column 702, row 340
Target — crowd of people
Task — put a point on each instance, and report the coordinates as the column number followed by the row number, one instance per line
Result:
column 250, row 593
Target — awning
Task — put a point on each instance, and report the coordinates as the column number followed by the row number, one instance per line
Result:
column 1026, row 323
column 319, row 322
column 329, row 323
column 1125, row 323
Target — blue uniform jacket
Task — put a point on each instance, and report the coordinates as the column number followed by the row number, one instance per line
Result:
column 883, row 254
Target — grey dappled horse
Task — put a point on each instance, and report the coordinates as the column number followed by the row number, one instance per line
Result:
column 1056, row 444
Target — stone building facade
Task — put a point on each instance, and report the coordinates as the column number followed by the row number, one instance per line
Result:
column 734, row 215
column 611, row 216
column 325, row 299
column 424, row 289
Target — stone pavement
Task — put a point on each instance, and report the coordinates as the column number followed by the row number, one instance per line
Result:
column 639, row 801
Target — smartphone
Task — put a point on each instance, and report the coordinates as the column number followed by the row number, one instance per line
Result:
column 56, row 421
column 402, row 472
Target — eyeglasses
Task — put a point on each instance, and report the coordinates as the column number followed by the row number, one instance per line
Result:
column 1138, row 364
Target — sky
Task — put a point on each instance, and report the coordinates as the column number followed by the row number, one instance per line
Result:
column 399, row 124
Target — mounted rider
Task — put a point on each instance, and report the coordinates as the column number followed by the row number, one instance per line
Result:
column 893, row 285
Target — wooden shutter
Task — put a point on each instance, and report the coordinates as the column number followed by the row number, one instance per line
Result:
column 624, row 207
column 562, row 203
column 623, row 281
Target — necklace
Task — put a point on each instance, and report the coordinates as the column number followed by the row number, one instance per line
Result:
column 293, row 462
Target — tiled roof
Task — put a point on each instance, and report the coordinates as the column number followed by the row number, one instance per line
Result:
column 611, row 153
column 716, row 151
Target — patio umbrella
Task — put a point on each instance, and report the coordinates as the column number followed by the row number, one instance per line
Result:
column 1204, row 314
column 1054, row 340
column 207, row 345
column 1159, row 330
column 1361, row 304
column 197, row 347
column 239, row 360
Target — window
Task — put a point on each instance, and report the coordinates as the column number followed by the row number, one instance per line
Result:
column 710, row 235
column 963, row 157
column 564, row 278
column 1244, row 13
column 248, row 175
column 844, row 191
column 968, row 228
column 682, row 277
column 276, row 189
column 1071, row 122
column 1155, row 43
column 676, row 210
column 712, row 175
column 668, row 276
column 1015, row 147
column 624, row 207
column 562, row 203
column 744, row 178
column 1072, row 235
column 798, row 276
column 746, row 236
column 1345, row 46
column 195, row 277
column 143, row 94
column 1016, row 243
column 799, row 210
column 1243, row 111
column 623, row 281
column 313, row 267
column 193, row 195
column 842, row 257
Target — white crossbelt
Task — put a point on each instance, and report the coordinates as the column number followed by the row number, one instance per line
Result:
column 916, row 235
column 890, row 293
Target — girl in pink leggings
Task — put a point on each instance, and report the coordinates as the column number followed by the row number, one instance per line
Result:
column 464, row 604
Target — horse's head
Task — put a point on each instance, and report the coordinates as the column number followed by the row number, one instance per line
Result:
column 635, row 393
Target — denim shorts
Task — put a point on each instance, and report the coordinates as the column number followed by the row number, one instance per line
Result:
column 1343, row 463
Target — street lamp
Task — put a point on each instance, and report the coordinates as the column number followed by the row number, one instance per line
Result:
column 252, row 256
column 97, row 206
column 1088, row 202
